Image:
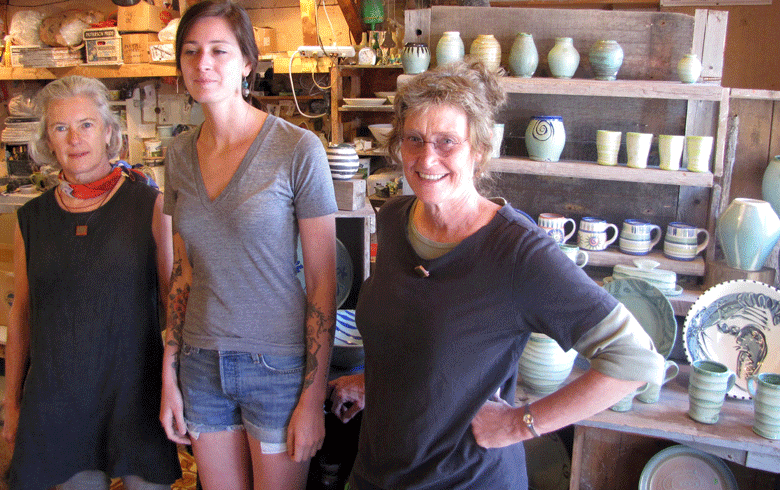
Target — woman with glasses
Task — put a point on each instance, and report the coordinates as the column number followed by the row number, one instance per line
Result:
column 461, row 281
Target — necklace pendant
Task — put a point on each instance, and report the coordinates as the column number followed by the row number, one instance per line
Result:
column 81, row 230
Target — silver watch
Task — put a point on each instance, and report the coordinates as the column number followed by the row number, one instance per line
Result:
column 528, row 419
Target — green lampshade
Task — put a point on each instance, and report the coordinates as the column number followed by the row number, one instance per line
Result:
column 373, row 12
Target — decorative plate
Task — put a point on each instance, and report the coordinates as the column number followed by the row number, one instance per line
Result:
column 736, row 323
column 344, row 271
column 347, row 333
column 682, row 467
column 650, row 307
column 369, row 102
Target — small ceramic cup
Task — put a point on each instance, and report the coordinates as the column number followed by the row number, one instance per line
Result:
column 670, row 150
column 707, row 388
column 698, row 149
column 607, row 146
column 555, row 226
column 765, row 389
column 638, row 148
column 627, row 402
column 579, row 257
column 594, row 234
column 653, row 392
column 683, row 241
column 638, row 237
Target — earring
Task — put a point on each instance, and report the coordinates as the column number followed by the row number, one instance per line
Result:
column 245, row 88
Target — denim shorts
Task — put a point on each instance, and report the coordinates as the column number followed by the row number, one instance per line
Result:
column 226, row 390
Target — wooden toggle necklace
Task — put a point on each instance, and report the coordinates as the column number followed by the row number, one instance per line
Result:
column 92, row 190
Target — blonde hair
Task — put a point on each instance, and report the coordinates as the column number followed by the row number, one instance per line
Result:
column 66, row 88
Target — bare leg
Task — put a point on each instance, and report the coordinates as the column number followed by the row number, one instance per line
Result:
column 223, row 460
column 277, row 471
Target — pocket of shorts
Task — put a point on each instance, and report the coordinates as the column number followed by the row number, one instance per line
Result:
column 284, row 364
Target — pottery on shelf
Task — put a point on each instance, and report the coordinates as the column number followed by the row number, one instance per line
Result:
column 544, row 366
column 689, row 68
column 343, row 161
column 606, row 58
column 770, row 185
column 563, row 59
column 415, row 58
column 523, row 57
column 486, row 49
column 747, row 230
column 449, row 48
column 545, row 138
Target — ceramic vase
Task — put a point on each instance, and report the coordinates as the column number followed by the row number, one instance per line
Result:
column 450, row 48
column 606, row 58
column 748, row 230
column 523, row 57
column 415, row 58
column 343, row 161
column 545, row 138
column 770, row 185
column 689, row 68
column 563, row 58
column 486, row 49
column 544, row 366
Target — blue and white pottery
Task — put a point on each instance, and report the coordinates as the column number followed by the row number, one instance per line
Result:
column 545, row 138
column 748, row 230
column 343, row 160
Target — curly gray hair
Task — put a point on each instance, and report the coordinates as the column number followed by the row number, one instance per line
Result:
column 66, row 88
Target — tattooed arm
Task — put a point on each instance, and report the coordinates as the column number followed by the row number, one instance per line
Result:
column 172, row 407
column 307, row 426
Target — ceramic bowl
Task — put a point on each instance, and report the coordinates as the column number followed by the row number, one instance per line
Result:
column 348, row 344
column 381, row 132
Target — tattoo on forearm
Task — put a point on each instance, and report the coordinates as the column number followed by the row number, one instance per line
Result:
column 325, row 326
column 177, row 307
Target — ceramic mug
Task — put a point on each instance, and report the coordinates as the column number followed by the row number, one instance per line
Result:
column 653, row 392
column 627, row 402
column 670, row 150
column 579, row 257
column 555, row 226
column 765, row 389
column 607, row 146
column 638, row 149
column 638, row 237
column 594, row 235
column 707, row 388
column 698, row 149
column 682, row 241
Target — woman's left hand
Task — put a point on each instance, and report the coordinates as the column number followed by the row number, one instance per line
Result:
column 306, row 431
column 494, row 425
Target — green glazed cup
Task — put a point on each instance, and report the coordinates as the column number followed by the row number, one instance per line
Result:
column 707, row 388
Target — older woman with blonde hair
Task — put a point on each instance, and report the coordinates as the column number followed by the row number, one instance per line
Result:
column 461, row 281
column 91, row 259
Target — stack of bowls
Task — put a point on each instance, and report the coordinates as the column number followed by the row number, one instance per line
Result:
column 647, row 270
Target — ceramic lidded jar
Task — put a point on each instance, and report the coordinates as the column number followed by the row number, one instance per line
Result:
column 523, row 57
column 415, row 58
column 449, row 48
column 606, row 58
column 486, row 49
column 545, row 138
column 770, row 185
column 748, row 230
column 689, row 68
column 343, row 161
column 563, row 59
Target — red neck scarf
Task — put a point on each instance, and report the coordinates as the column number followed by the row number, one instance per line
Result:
column 93, row 189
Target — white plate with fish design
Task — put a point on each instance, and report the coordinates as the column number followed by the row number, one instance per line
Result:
column 736, row 323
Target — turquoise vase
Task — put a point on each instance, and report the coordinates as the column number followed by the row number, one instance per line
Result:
column 606, row 58
column 545, row 138
column 563, row 59
column 770, row 185
column 748, row 230
column 523, row 57
column 449, row 48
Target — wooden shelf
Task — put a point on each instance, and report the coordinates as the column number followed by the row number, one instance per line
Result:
column 645, row 89
column 594, row 171
column 140, row 70
column 613, row 256
column 376, row 108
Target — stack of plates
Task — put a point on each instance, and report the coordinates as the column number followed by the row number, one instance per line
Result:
column 664, row 280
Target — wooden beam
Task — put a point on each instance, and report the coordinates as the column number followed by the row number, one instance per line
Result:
column 308, row 24
column 350, row 11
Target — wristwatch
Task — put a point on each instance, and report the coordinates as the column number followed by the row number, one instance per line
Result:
column 528, row 419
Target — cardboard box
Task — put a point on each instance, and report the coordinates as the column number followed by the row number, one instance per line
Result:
column 162, row 53
column 265, row 37
column 143, row 17
column 38, row 57
column 103, row 45
column 135, row 46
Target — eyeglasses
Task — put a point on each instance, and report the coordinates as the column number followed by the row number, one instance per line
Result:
column 444, row 145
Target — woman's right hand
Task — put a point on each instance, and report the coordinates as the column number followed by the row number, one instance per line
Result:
column 172, row 414
column 348, row 395
column 10, row 423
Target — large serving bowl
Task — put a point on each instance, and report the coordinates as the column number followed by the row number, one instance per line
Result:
column 348, row 344
column 381, row 132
